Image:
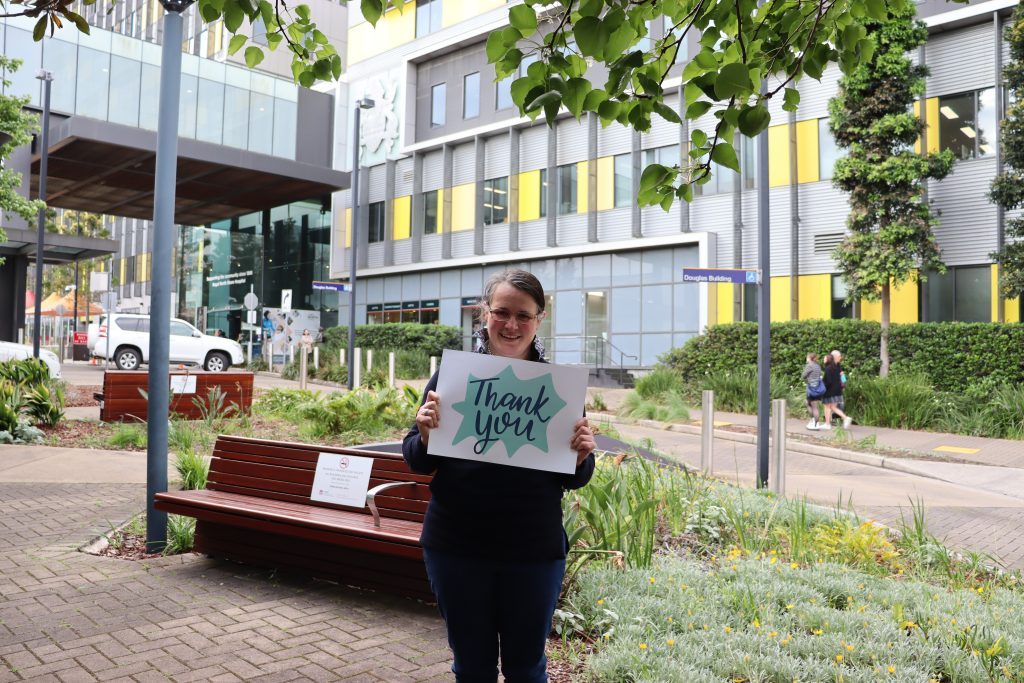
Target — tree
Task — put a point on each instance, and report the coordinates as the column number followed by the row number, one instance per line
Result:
column 890, row 239
column 1008, row 187
column 57, row 277
column 19, row 125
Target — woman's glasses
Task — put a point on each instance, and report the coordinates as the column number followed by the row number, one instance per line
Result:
column 503, row 315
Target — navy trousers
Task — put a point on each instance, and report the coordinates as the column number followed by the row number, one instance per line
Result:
column 496, row 609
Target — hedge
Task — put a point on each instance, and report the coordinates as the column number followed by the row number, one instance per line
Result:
column 432, row 339
column 951, row 355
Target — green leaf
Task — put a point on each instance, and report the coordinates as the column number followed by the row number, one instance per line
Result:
column 236, row 43
column 698, row 109
column 576, row 91
column 303, row 10
column 609, row 110
column 273, row 40
column 594, row 99
column 544, row 100
column 724, row 154
column 371, row 9
column 307, row 78
column 705, row 59
column 791, row 99
column 590, row 8
column 733, row 79
column 752, row 120
column 39, row 30
column 253, row 56
column 619, row 41
column 667, row 112
column 496, row 47
column 209, row 12
column 521, row 88
column 876, row 9
column 336, row 66
column 80, row 23
column 524, row 19
column 233, row 16
column 591, row 36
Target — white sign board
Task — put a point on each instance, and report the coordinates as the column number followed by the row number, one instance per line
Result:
column 99, row 282
column 286, row 300
column 183, row 384
column 342, row 479
column 508, row 411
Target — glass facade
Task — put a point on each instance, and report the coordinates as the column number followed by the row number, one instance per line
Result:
column 220, row 103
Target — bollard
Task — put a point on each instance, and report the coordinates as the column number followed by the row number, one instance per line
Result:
column 316, row 357
column 303, row 367
column 356, row 362
column 250, row 349
column 777, row 464
column 291, row 353
column 391, row 368
column 369, row 359
column 341, row 356
column 433, row 365
column 707, row 431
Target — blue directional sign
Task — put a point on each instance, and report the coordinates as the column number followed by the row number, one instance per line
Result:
column 333, row 286
column 733, row 275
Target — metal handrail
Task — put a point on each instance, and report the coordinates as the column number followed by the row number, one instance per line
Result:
column 600, row 357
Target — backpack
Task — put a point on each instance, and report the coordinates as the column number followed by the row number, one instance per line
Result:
column 817, row 390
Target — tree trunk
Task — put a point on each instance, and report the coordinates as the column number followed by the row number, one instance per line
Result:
column 883, row 351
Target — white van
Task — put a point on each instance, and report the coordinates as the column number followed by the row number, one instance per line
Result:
column 124, row 339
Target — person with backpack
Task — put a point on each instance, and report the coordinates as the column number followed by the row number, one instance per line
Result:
column 813, row 378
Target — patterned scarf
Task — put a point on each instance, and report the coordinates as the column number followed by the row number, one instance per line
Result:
column 480, row 345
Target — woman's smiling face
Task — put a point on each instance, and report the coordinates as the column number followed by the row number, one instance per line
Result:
column 512, row 335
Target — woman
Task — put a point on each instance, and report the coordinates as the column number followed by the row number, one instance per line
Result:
column 812, row 377
column 493, row 540
column 833, row 392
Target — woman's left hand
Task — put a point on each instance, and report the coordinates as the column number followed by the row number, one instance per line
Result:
column 583, row 440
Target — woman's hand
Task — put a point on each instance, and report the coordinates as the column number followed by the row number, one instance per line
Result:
column 583, row 440
column 428, row 415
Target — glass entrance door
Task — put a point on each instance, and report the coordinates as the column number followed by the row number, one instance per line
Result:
column 596, row 326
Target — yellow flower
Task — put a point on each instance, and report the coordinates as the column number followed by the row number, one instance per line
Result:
column 849, row 648
column 773, row 560
column 789, row 606
column 772, row 634
column 670, row 642
column 600, row 601
column 784, row 641
column 670, row 620
column 651, row 579
column 794, row 565
column 981, row 589
column 643, row 646
column 839, row 658
column 607, row 636
column 892, row 669
column 728, row 629
column 756, row 623
column 817, row 631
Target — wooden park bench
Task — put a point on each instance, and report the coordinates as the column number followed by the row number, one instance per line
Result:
column 123, row 392
column 256, row 509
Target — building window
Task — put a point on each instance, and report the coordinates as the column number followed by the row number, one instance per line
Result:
column 503, row 88
column 437, row 102
column 428, row 16
column 840, row 309
column 496, row 201
column 967, row 124
column 750, row 303
column 543, row 192
column 430, row 212
column 748, row 162
column 828, row 151
column 722, row 180
column 471, row 95
column 375, row 230
column 963, row 293
column 623, row 164
column 566, row 189
column 667, row 156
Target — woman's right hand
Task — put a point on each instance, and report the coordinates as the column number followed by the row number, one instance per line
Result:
column 428, row 416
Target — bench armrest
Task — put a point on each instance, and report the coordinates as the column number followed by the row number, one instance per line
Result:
column 372, row 493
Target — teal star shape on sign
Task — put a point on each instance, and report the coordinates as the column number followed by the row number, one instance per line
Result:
column 507, row 409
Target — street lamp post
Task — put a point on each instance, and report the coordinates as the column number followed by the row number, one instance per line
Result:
column 47, row 78
column 364, row 103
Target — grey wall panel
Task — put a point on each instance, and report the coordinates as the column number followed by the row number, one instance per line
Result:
column 464, row 164
column 966, row 230
column 613, row 225
column 462, row 243
column 533, row 148
column 496, row 156
column 662, row 132
column 572, row 141
column 714, row 214
column 403, row 177
column 433, row 170
column 375, row 255
column 571, row 229
column 431, row 248
column 533, row 235
column 654, row 221
column 614, row 139
column 403, row 252
column 378, row 176
column 814, row 96
column 823, row 211
column 961, row 60
column 750, row 252
column 496, row 239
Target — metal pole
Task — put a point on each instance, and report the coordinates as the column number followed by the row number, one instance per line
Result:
column 354, row 246
column 763, row 303
column 778, row 475
column 160, row 300
column 997, row 136
column 47, row 78
column 707, row 431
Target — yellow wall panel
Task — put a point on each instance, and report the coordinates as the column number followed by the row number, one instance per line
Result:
column 902, row 307
column 725, row 294
column 780, row 305
column 582, row 186
column 463, row 207
column 348, row 228
column 932, row 130
column 815, row 297
column 529, row 196
column 394, row 28
column 440, row 211
column 454, row 11
column 122, row 268
column 1011, row 307
column 402, row 207
column 807, row 151
column 778, row 155
column 1013, row 310
column 994, row 298
column 605, row 183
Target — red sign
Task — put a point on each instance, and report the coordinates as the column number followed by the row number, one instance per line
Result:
column 81, row 338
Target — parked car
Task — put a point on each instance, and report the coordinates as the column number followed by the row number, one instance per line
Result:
column 93, row 333
column 12, row 351
column 124, row 339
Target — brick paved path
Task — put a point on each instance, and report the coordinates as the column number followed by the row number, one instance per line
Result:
column 69, row 616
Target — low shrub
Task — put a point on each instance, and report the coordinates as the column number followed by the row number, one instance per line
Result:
column 899, row 401
column 193, row 469
column 430, row 339
column 128, row 435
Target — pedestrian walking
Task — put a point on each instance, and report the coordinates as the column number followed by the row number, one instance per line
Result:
column 813, row 377
column 834, row 391
column 493, row 541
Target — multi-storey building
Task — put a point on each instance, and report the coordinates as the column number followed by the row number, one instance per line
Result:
column 455, row 185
